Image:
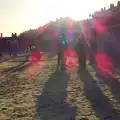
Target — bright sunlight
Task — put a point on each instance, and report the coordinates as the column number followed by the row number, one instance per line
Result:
column 30, row 14
column 44, row 11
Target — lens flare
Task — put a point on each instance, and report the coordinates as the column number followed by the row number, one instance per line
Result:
column 104, row 64
column 99, row 26
column 70, row 58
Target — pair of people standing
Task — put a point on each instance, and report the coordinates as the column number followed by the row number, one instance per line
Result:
column 80, row 50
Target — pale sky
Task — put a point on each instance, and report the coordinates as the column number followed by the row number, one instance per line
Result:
column 20, row 15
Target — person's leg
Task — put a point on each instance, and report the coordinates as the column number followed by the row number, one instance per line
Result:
column 1, row 56
column 62, row 62
column 10, row 53
column 91, row 58
column 79, row 59
column 58, row 62
column 82, row 61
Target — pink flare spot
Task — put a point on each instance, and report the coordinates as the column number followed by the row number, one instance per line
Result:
column 104, row 63
column 70, row 52
column 87, row 34
column 99, row 26
column 70, row 57
column 36, row 56
column 34, row 69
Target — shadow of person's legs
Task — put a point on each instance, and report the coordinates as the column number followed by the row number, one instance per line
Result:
column 51, row 105
column 15, row 67
column 114, row 85
column 100, row 103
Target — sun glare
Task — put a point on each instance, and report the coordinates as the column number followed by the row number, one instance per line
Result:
column 41, row 11
column 36, row 13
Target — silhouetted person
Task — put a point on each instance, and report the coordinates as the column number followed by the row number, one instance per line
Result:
column 1, row 56
column 80, row 50
column 93, row 46
column 62, row 46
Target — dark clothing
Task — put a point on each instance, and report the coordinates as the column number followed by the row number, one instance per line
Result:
column 60, row 61
column 61, row 50
column 93, row 47
column 1, row 56
column 80, row 50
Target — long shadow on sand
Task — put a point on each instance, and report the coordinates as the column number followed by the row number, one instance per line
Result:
column 17, row 67
column 51, row 105
column 100, row 103
column 114, row 85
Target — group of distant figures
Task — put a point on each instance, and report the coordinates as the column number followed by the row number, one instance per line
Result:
column 12, row 48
